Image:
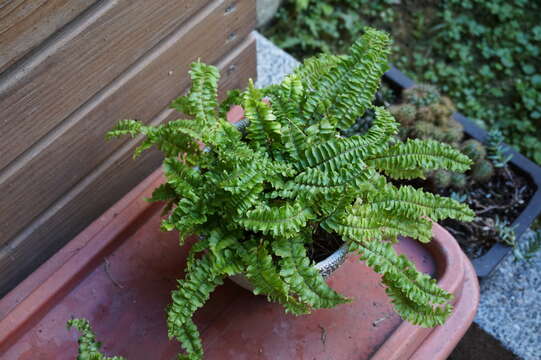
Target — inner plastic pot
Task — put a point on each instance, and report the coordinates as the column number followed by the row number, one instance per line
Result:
column 325, row 267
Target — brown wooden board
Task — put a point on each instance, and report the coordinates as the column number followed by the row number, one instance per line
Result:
column 67, row 154
column 22, row 25
column 41, row 90
column 101, row 188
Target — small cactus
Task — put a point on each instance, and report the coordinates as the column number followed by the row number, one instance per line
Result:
column 441, row 179
column 453, row 131
column 404, row 113
column 442, row 114
column 448, row 103
column 459, row 181
column 423, row 130
column 425, row 113
column 482, row 171
column 421, row 95
column 473, row 149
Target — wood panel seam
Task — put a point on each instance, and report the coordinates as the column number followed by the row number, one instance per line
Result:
column 17, row 71
column 132, row 71
column 115, row 156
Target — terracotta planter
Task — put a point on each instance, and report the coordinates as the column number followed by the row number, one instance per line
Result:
column 488, row 262
column 119, row 272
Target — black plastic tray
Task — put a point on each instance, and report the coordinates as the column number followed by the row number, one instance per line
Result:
column 486, row 263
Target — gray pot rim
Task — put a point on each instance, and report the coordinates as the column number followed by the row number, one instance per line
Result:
column 325, row 267
column 332, row 262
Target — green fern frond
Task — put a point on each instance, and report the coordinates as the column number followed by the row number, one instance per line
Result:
column 335, row 153
column 164, row 192
column 125, row 127
column 286, row 99
column 415, row 295
column 360, row 221
column 315, row 181
column 182, row 178
column 283, row 220
column 89, row 347
column 263, row 128
column 302, row 277
column 315, row 68
column 415, row 313
column 201, row 101
column 186, row 127
column 352, row 82
column 414, row 203
column 382, row 131
column 295, row 141
column 262, row 273
column 191, row 294
column 416, row 155
column 188, row 336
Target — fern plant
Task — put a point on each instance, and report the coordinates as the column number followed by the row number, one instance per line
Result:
column 257, row 193
column 89, row 347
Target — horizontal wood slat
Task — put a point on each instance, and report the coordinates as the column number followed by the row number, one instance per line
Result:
column 40, row 91
column 22, row 27
column 66, row 155
column 100, row 189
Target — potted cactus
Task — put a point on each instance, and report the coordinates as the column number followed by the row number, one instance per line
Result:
column 273, row 195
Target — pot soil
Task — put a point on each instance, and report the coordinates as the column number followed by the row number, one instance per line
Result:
column 513, row 195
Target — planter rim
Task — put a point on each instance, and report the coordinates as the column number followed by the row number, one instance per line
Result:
column 485, row 264
column 333, row 261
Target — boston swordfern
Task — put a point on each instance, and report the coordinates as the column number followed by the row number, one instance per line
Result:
column 256, row 195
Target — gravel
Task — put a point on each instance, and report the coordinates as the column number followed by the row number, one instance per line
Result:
column 510, row 307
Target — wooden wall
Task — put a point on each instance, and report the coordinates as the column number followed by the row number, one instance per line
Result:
column 69, row 70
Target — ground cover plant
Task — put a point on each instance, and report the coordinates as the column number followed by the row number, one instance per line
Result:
column 259, row 195
column 485, row 55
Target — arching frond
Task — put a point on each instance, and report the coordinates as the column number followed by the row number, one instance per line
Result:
column 263, row 128
column 418, row 155
column 283, row 220
column 415, row 296
column 352, row 82
column 303, row 279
